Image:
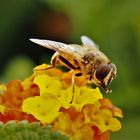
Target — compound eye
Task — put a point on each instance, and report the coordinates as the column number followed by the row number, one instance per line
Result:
column 102, row 71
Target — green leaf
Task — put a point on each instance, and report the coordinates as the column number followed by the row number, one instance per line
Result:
column 24, row 130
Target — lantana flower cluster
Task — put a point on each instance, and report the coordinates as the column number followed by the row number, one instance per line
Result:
column 47, row 96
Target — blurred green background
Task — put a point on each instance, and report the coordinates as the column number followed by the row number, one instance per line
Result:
column 113, row 24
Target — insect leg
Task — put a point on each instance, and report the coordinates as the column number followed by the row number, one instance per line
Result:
column 72, row 81
column 71, row 66
column 54, row 60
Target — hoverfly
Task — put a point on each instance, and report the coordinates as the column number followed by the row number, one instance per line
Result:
column 87, row 58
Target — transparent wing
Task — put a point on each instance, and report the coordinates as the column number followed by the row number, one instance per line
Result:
column 88, row 42
column 60, row 47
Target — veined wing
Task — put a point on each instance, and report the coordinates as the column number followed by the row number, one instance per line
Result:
column 88, row 42
column 61, row 47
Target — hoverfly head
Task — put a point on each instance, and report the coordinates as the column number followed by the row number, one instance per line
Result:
column 104, row 74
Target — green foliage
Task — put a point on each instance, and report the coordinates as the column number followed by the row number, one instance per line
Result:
column 25, row 131
column 18, row 67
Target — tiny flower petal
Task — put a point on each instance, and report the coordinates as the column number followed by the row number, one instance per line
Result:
column 90, row 111
column 87, row 96
column 45, row 109
column 114, row 124
column 41, row 67
column 106, row 103
column 118, row 113
column 42, row 81
column 47, row 84
column 2, row 108
column 62, row 123
column 105, row 121
column 65, row 98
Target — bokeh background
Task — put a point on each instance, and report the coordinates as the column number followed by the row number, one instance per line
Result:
column 113, row 24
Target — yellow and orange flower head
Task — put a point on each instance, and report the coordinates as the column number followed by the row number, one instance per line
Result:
column 47, row 96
